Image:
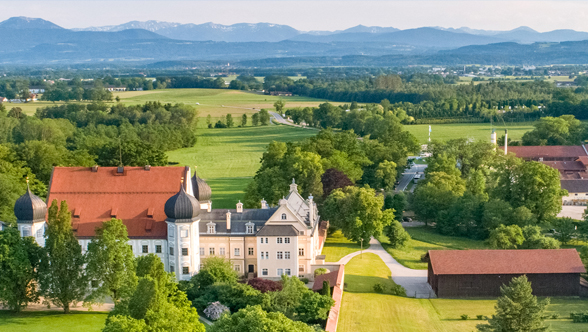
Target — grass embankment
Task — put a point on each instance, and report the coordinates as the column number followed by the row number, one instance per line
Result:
column 423, row 240
column 41, row 321
column 365, row 311
column 477, row 131
column 338, row 246
column 228, row 158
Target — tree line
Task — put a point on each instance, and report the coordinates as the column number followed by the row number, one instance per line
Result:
column 86, row 135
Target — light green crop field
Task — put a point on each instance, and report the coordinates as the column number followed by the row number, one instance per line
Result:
column 477, row 131
column 42, row 321
column 424, row 239
column 338, row 246
column 228, row 158
column 363, row 310
column 216, row 102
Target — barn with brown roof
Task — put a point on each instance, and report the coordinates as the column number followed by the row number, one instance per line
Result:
column 480, row 273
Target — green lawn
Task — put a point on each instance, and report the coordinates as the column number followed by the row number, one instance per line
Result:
column 228, row 158
column 365, row 311
column 477, row 131
column 338, row 246
column 41, row 321
column 423, row 240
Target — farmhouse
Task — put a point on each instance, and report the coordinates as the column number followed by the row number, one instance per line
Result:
column 174, row 220
column 480, row 273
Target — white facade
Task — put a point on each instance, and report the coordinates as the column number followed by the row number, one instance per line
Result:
column 184, row 248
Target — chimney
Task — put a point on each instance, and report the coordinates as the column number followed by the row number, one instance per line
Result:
column 95, row 168
column 283, row 201
column 228, row 221
column 239, row 207
column 264, row 204
column 505, row 141
column 120, row 169
column 147, row 167
column 293, row 186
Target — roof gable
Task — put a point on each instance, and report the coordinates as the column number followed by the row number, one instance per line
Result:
column 520, row 261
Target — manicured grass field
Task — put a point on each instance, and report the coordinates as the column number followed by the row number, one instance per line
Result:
column 423, row 240
column 365, row 311
column 216, row 102
column 41, row 321
column 228, row 158
column 477, row 131
column 338, row 246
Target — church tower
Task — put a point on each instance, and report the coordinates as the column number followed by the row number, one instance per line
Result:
column 30, row 212
column 182, row 210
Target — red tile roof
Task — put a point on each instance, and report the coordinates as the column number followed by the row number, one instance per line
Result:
column 566, row 166
column 98, row 196
column 520, row 261
column 554, row 151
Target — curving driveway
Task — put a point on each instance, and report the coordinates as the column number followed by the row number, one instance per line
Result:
column 414, row 281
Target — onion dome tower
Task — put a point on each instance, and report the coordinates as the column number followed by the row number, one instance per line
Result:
column 182, row 206
column 202, row 192
column 30, row 212
column 183, row 234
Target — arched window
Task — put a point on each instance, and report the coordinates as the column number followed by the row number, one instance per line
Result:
column 283, row 216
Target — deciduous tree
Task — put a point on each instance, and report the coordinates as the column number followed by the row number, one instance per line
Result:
column 357, row 212
column 62, row 278
column 111, row 262
column 19, row 260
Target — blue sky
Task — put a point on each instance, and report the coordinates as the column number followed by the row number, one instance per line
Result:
column 313, row 15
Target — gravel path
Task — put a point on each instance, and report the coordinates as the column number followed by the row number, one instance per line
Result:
column 414, row 281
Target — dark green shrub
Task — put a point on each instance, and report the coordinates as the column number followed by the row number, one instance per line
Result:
column 379, row 288
column 464, row 317
column 480, row 317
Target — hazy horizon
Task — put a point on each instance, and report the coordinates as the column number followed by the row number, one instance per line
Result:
column 313, row 15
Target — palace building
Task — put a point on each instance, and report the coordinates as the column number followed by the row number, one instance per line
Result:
column 174, row 220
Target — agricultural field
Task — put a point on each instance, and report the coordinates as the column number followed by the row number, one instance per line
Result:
column 41, row 321
column 395, row 314
column 216, row 102
column 228, row 158
column 477, row 131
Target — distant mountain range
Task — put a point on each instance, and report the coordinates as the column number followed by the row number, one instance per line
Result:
column 37, row 41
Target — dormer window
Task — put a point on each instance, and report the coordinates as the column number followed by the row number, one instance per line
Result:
column 211, row 228
column 249, row 229
column 283, row 216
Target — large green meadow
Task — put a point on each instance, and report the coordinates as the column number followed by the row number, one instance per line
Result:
column 228, row 158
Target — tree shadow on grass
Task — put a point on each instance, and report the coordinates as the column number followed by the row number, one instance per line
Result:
column 365, row 284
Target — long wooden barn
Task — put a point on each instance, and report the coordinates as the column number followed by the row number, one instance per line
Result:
column 480, row 273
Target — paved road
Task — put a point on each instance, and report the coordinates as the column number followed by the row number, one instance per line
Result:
column 414, row 281
column 281, row 120
column 408, row 175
